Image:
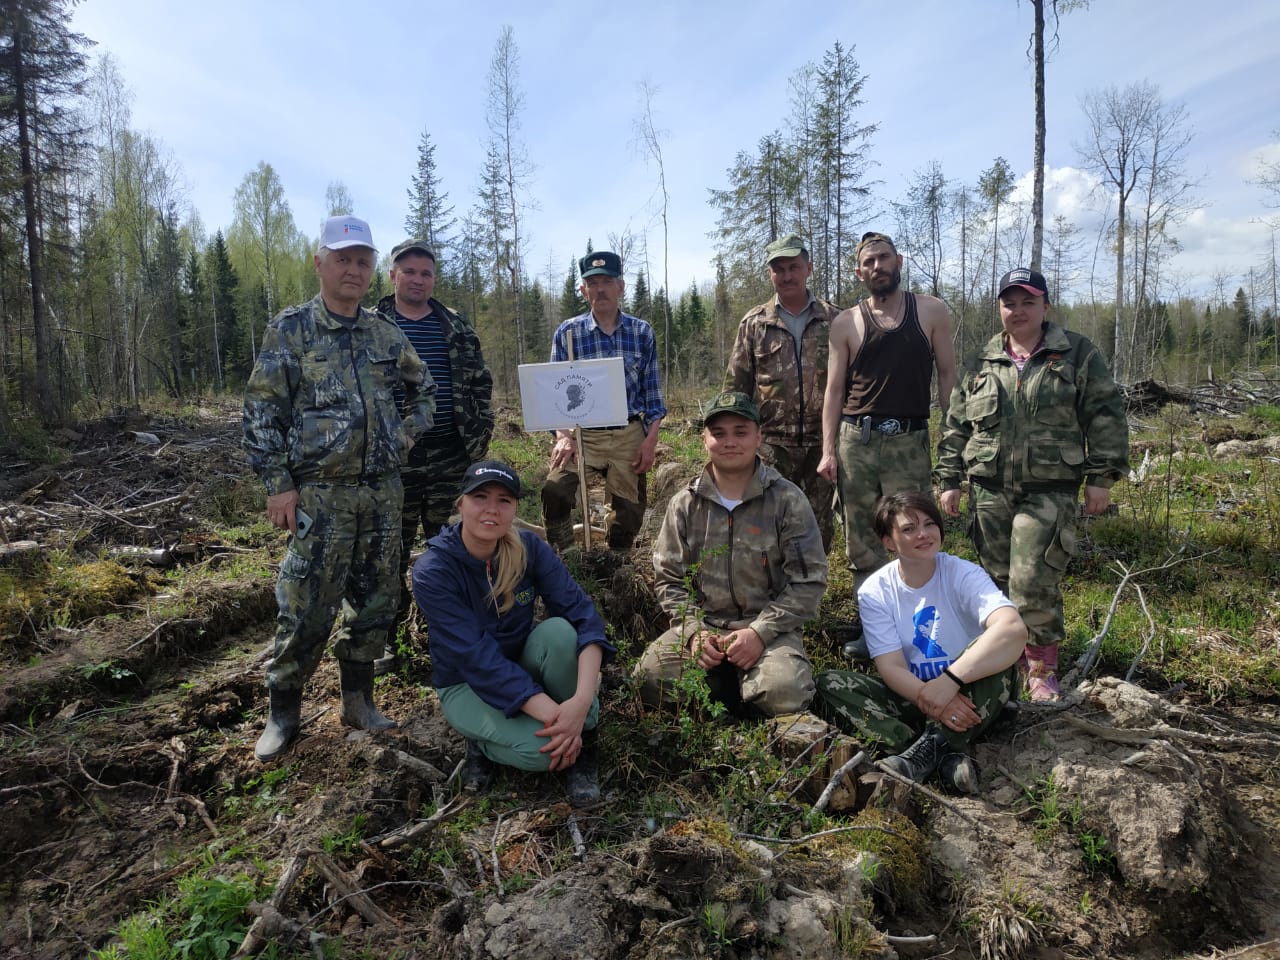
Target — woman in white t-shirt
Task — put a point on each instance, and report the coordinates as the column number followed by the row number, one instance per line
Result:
column 944, row 640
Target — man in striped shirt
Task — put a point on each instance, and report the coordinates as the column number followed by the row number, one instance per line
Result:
column 623, row 454
column 463, row 424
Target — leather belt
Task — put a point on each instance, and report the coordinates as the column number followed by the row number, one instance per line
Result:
column 889, row 426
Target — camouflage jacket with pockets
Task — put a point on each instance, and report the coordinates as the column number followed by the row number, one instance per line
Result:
column 760, row 566
column 788, row 388
column 1058, row 422
column 319, row 405
column 472, row 380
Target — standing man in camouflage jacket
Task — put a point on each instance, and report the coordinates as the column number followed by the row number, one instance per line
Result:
column 459, row 435
column 738, row 567
column 779, row 359
column 324, row 434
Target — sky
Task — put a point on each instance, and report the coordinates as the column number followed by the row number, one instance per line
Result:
column 326, row 91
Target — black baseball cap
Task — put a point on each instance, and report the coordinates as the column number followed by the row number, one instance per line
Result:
column 490, row 471
column 602, row 262
column 1026, row 278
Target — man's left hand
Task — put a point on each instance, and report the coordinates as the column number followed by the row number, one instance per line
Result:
column 1096, row 500
column 743, row 648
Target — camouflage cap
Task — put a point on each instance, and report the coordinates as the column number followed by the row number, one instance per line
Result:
column 731, row 401
column 792, row 245
column 412, row 245
column 870, row 237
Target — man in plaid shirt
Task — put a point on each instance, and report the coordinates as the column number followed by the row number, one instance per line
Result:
column 622, row 454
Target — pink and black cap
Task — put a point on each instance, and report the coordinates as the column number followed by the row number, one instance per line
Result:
column 1029, row 280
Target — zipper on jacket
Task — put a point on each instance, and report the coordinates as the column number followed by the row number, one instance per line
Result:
column 732, row 592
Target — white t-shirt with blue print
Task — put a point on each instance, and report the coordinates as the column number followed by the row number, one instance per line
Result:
column 933, row 624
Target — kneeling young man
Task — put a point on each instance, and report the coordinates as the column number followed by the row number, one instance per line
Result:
column 738, row 567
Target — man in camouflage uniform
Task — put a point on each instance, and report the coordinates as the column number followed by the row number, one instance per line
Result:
column 463, row 421
column 779, row 359
column 1035, row 414
column 738, row 567
column 323, row 432
column 875, row 414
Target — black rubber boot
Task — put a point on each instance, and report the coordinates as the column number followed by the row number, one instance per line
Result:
column 477, row 769
column 582, row 780
column 357, row 697
column 856, row 649
column 282, row 723
column 919, row 761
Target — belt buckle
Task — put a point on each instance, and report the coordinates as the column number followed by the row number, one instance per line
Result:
column 891, row 427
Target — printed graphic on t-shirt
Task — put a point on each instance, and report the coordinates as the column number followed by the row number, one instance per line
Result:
column 936, row 658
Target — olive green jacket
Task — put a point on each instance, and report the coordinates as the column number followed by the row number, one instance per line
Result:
column 761, row 566
column 1058, row 422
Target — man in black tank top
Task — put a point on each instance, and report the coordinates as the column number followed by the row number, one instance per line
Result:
column 875, row 412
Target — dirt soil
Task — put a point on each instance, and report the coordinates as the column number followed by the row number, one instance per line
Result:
column 126, row 762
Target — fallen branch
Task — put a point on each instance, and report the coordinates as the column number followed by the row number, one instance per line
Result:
column 1165, row 732
column 944, row 802
column 493, row 854
column 1089, row 658
column 411, row 831
column 1146, row 641
column 836, row 780
column 420, row 767
column 360, row 901
column 579, row 845
column 851, row 828
column 271, row 922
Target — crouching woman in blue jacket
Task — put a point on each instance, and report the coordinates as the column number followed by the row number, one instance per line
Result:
column 522, row 695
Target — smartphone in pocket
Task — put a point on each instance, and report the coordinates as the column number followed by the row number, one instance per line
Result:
column 303, row 521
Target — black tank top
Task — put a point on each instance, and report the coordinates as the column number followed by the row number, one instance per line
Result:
column 891, row 373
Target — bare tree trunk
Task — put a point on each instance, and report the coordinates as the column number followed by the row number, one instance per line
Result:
column 44, row 401
column 1037, row 182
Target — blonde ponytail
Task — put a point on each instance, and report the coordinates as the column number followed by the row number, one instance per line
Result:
column 511, row 560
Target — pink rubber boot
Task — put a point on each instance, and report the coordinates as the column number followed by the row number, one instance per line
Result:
column 1042, row 673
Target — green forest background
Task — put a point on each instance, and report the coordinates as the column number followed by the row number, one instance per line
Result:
column 114, row 291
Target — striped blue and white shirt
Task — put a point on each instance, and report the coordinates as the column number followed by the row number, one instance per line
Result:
column 632, row 340
column 427, row 338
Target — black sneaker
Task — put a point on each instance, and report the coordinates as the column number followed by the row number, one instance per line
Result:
column 856, row 649
column 919, row 761
column 477, row 769
column 959, row 772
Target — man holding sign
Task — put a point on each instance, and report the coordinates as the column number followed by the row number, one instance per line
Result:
column 622, row 454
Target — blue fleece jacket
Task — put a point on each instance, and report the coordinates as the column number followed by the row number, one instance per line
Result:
column 469, row 642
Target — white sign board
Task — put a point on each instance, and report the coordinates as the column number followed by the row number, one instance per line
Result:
column 573, row 393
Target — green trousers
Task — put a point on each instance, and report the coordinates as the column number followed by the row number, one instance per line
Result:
column 551, row 657
column 862, row 704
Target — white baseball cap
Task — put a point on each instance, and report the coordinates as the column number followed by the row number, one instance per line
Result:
column 337, row 233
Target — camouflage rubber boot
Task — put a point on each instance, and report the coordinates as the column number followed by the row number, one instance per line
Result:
column 477, row 769
column 919, row 761
column 582, row 780
column 282, row 723
column 560, row 535
column 959, row 772
column 1042, row 673
column 357, row 697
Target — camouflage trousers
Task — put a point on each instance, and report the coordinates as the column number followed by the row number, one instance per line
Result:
column 609, row 453
column 867, row 472
column 800, row 466
column 348, row 567
column 431, row 488
column 862, row 704
column 551, row 657
column 1024, row 541
column 780, row 682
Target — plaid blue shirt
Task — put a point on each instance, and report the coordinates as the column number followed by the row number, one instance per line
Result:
column 633, row 340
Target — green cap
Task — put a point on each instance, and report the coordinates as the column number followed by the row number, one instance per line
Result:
column 412, row 246
column 792, row 245
column 601, row 263
column 731, row 401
